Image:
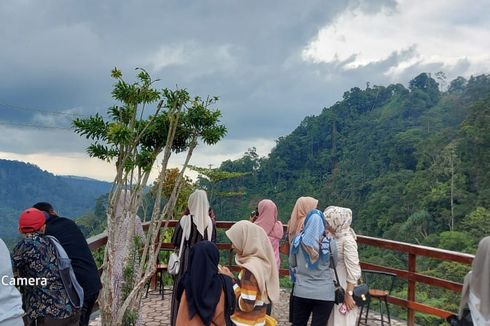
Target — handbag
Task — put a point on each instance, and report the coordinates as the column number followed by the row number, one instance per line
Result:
column 465, row 320
column 361, row 294
column 174, row 259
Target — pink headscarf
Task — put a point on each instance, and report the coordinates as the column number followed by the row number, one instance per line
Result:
column 301, row 208
column 267, row 220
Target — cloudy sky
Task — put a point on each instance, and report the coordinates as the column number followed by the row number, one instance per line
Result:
column 271, row 62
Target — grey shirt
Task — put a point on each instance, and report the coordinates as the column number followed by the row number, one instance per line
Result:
column 10, row 298
column 314, row 283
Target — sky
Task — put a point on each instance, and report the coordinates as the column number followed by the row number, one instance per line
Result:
column 271, row 63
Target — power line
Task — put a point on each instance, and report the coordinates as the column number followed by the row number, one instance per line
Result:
column 8, row 123
column 35, row 110
column 31, row 110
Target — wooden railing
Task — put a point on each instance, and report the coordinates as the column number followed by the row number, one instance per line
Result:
column 409, row 274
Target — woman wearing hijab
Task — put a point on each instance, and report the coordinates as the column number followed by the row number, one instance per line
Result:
column 267, row 219
column 310, row 262
column 258, row 281
column 206, row 297
column 301, row 208
column 476, row 288
column 198, row 226
column 339, row 220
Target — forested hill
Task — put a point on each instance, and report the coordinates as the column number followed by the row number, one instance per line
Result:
column 23, row 184
column 411, row 162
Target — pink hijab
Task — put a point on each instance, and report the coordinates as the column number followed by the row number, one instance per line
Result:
column 267, row 220
column 301, row 208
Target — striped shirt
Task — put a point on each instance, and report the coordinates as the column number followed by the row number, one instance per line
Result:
column 250, row 309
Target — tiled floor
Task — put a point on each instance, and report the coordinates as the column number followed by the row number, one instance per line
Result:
column 156, row 311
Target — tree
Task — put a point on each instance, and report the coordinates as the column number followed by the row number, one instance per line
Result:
column 214, row 175
column 168, row 185
column 477, row 223
column 132, row 139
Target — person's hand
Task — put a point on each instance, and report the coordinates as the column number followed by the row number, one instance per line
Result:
column 225, row 271
column 349, row 302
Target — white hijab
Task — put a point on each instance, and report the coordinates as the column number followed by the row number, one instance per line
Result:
column 199, row 209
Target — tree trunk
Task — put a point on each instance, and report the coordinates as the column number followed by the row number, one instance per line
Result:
column 451, row 226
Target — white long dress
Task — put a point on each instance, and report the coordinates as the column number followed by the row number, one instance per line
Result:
column 348, row 269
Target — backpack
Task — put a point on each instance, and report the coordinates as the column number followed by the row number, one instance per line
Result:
column 70, row 283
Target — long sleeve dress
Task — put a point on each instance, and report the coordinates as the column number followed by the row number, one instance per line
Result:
column 194, row 237
column 349, row 270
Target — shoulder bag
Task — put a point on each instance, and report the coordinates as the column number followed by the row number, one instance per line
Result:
column 67, row 275
column 360, row 293
column 339, row 290
column 174, row 259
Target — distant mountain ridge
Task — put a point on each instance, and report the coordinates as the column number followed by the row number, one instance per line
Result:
column 23, row 184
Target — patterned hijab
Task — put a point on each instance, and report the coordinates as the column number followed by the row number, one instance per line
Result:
column 340, row 219
column 312, row 240
column 199, row 209
column 255, row 253
column 301, row 208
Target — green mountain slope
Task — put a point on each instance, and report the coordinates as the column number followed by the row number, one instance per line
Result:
column 404, row 159
column 23, row 184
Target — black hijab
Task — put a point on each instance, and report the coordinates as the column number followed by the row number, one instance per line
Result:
column 203, row 284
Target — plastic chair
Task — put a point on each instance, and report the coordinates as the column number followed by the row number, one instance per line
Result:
column 377, row 290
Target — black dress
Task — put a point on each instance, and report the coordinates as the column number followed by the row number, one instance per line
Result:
column 194, row 237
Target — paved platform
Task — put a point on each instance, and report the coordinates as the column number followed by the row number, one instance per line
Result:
column 156, row 311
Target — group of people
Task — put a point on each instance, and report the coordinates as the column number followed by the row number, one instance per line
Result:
column 207, row 293
column 210, row 294
column 54, row 269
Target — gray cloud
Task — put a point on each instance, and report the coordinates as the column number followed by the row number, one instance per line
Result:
column 58, row 56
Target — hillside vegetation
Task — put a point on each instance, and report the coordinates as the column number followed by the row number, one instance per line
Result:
column 413, row 159
column 412, row 163
column 23, row 184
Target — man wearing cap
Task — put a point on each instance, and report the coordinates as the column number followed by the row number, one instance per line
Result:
column 76, row 247
column 35, row 259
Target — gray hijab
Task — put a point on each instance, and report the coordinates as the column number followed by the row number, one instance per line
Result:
column 478, row 280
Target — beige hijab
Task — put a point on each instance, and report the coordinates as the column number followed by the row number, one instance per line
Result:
column 255, row 253
column 340, row 219
column 478, row 280
column 199, row 209
column 301, row 208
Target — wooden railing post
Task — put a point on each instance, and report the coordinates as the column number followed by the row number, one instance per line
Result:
column 412, row 268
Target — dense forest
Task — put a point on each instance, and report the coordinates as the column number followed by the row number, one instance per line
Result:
column 23, row 184
column 403, row 159
column 412, row 163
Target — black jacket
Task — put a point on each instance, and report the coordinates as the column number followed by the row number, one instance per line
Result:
column 75, row 245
